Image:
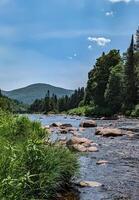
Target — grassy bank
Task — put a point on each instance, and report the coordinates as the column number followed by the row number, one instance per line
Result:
column 29, row 169
column 80, row 111
column 92, row 111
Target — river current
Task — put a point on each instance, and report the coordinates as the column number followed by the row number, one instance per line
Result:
column 120, row 177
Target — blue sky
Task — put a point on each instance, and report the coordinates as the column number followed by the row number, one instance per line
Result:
column 57, row 41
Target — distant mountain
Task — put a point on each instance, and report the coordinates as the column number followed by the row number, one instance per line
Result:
column 32, row 92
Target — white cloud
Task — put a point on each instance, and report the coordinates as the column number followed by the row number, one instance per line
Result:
column 117, row 1
column 125, row 1
column 90, row 47
column 101, row 41
column 109, row 13
column 72, row 57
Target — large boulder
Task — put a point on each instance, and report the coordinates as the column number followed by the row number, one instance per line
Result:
column 88, row 123
column 109, row 132
column 81, row 144
column 78, row 140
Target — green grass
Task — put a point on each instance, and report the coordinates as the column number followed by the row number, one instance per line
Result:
column 29, row 169
column 81, row 111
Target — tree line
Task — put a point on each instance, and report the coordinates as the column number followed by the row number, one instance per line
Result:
column 112, row 87
column 51, row 103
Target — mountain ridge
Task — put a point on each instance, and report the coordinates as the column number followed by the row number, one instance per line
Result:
column 30, row 93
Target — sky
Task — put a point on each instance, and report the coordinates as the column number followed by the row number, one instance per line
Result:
column 58, row 41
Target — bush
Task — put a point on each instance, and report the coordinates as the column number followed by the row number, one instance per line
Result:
column 34, row 171
column 29, row 169
column 135, row 112
column 16, row 128
column 97, row 111
column 81, row 111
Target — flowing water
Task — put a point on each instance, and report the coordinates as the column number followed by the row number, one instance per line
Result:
column 120, row 177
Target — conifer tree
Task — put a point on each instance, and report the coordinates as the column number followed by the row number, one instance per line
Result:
column 130, row 78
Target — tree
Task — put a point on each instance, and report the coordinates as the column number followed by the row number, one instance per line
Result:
column 0, row 93
column 130, row 78
column 98, row 77
column 114, row 90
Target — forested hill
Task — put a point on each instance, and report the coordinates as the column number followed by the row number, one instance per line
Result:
column 11, row 105
column 32, row 92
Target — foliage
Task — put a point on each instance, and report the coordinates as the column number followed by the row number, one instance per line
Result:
column 99, row 76
column 81, row 111
column 113, row 83
column 135, row 111
column 98, row 111
column 11, row 105
column 54, row 104
column 30, row 169
column 114, row 91
column 15, row 128
column 130, row 78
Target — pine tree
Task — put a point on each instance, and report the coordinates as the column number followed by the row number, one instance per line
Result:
column 0, row 93
column 130, row 78
column 114, row 91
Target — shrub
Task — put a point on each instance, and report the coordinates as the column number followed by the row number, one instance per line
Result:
column 34, row 170
column 29, row 169
column 78, row 111
column 135, row 112
column 97, row 111
column 16, row 128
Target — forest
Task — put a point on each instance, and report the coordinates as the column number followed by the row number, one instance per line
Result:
column 112, row 88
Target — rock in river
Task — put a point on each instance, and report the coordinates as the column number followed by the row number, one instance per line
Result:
column 78, row 140
column 82, row 148
column 109, row 132
column 102, row 162
column 81, row 145
column 88, row 123
column 78, row 147
column 63, row 126
column 89, row 184
column 56, row 124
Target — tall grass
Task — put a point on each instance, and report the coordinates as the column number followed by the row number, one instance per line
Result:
column 29, row 169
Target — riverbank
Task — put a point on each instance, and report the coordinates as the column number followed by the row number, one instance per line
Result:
column 30, row 168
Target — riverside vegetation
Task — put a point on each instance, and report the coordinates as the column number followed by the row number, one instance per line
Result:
column 29, row 168
column 112, row 88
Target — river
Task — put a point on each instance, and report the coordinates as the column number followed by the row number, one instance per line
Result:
column 120, row 177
